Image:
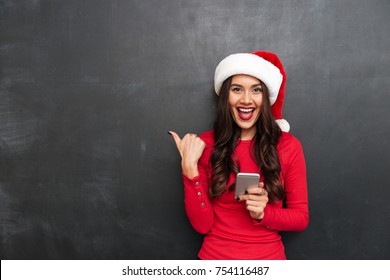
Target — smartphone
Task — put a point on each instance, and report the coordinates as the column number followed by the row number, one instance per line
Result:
column 246, row 181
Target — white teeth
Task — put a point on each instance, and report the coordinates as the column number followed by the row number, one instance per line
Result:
column 245, row 110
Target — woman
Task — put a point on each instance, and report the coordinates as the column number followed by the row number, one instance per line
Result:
column 249, row 136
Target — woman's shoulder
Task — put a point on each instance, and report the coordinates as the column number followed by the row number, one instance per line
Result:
column 288, row 141
column 290, row 152
column 288, row 136
column 207, row 137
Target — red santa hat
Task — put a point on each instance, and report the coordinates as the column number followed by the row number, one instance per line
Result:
column 262, row 65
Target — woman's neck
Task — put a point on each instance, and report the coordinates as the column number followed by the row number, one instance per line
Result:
column 248, row 134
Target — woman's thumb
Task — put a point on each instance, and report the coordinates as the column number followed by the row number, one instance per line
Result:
column 175, row 137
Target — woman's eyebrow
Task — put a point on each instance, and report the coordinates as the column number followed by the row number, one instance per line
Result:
column 238, row 85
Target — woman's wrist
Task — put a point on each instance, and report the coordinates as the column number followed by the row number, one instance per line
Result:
column 190, row 170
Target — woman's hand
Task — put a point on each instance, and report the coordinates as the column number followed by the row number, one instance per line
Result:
column 256, row 200
column 190, row 148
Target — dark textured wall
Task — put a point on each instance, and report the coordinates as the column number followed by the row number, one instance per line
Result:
column 88, row 90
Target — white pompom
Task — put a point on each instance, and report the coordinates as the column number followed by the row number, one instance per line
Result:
column 283, row 124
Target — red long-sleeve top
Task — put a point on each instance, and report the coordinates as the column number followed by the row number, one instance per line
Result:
column 230, row 232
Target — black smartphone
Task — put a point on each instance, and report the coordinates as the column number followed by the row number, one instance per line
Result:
column 246, row 181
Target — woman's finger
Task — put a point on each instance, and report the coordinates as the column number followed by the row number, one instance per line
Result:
column 257, row 191
column 176, row 138
column 257, row 202
column 255, row 209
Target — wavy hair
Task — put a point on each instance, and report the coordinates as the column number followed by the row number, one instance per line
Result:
column 263, row 149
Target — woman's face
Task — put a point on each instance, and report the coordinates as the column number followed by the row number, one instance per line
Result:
column 245, row 101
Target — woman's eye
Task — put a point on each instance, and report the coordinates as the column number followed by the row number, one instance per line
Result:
column 258, row 90
column 236, row 89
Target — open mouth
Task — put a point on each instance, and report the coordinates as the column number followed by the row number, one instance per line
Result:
column 245, row 113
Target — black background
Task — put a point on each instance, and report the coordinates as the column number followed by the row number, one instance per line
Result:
column 89, row 88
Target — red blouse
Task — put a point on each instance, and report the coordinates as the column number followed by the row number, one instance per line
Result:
column 230, row 232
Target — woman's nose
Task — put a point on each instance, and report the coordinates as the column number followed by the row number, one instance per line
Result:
column 246, row 98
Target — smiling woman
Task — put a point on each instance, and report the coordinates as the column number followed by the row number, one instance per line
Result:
column 249, row 136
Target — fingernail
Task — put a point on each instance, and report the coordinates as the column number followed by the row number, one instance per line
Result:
column 169, row 132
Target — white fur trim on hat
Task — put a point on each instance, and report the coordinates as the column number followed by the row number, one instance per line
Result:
column 252, row 65
column 283, row 124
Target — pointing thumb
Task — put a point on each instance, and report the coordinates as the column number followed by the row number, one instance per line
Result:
column 175, row 137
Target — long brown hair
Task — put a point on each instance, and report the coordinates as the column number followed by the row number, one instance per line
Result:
column 226, row 135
